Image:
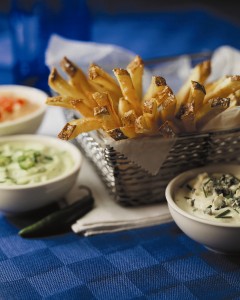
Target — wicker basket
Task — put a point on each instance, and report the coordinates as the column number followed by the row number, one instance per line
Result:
column 131, row 185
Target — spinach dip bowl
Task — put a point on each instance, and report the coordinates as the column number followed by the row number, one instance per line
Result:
column 205, row 203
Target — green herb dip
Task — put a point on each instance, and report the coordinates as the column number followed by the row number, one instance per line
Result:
column 211, row 196
column 23, row 163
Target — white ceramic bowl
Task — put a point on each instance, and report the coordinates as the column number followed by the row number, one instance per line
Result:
column 16, row 199
column 30, row 122
column 216, row 236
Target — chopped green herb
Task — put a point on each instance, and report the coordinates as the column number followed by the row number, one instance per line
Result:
column 236, row 210
column 223, row 214
column 209, row 206
column 205, row 193
column 207, row 181
column 4, row 160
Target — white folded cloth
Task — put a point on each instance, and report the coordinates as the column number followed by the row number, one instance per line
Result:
column 107, row 215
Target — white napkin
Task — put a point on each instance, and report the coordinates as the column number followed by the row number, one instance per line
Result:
column 107, row 215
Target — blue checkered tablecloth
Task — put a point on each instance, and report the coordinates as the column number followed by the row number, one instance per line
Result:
column 157, row 262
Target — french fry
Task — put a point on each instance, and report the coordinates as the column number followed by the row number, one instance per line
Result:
column 129, row 131
column 157, row 85
column 62, row 101
column 210, row 109
column 197, row 94
column 108, row 122
column 150, row 106
column 188, row 118
column 128, row 89
column 234, row 99
column 150, row 110
column 75, row 127
column 80, row 106
column 135, row 69
column 168, row 107
column 200, row 74
column 142, row 125
column 168, row 130
column 70, row 103
column 117, row 134
column 123, row 106
column 78, row 80
column 128, row 118
column 225, row 87
column 151, row 122
column 77, row 77
column 119, row 108
column 61, row 86
column 100, row 77
column 104, row 99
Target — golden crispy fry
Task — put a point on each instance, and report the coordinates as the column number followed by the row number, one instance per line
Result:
column 117, row 134
column 150, row 111
column 129, row 131
column 144, row 125
column 78, row 79
column 234, row 98
column 150, row 106
column 188, row 118
column 197, row 94
column 128, row 89
column 75, row 127
column 156, row 86
column 108, row 123
column 151, row 122
column 101, row 78
column 123, row 106
column 200, row 74
column 81, row 107
column 118, row 107
column 71, row 103
column 210, row 109
column 104, row 99
column 61, row 86
column 168, row 106
column 135, row 69
column 62, row 101
column 168, row 130
column 128, row 118
column 225, row 87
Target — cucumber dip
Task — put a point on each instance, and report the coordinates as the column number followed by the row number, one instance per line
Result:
column 23, row 163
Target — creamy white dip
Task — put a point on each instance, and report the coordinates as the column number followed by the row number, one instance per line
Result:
column 23, row 163
column 214, row 197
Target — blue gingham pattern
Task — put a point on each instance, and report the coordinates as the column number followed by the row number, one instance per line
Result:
column 157, row 262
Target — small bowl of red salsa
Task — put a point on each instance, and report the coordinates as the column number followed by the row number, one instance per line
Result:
column 22, row 109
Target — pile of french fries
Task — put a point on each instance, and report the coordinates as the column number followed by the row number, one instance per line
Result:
column 119, row 107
